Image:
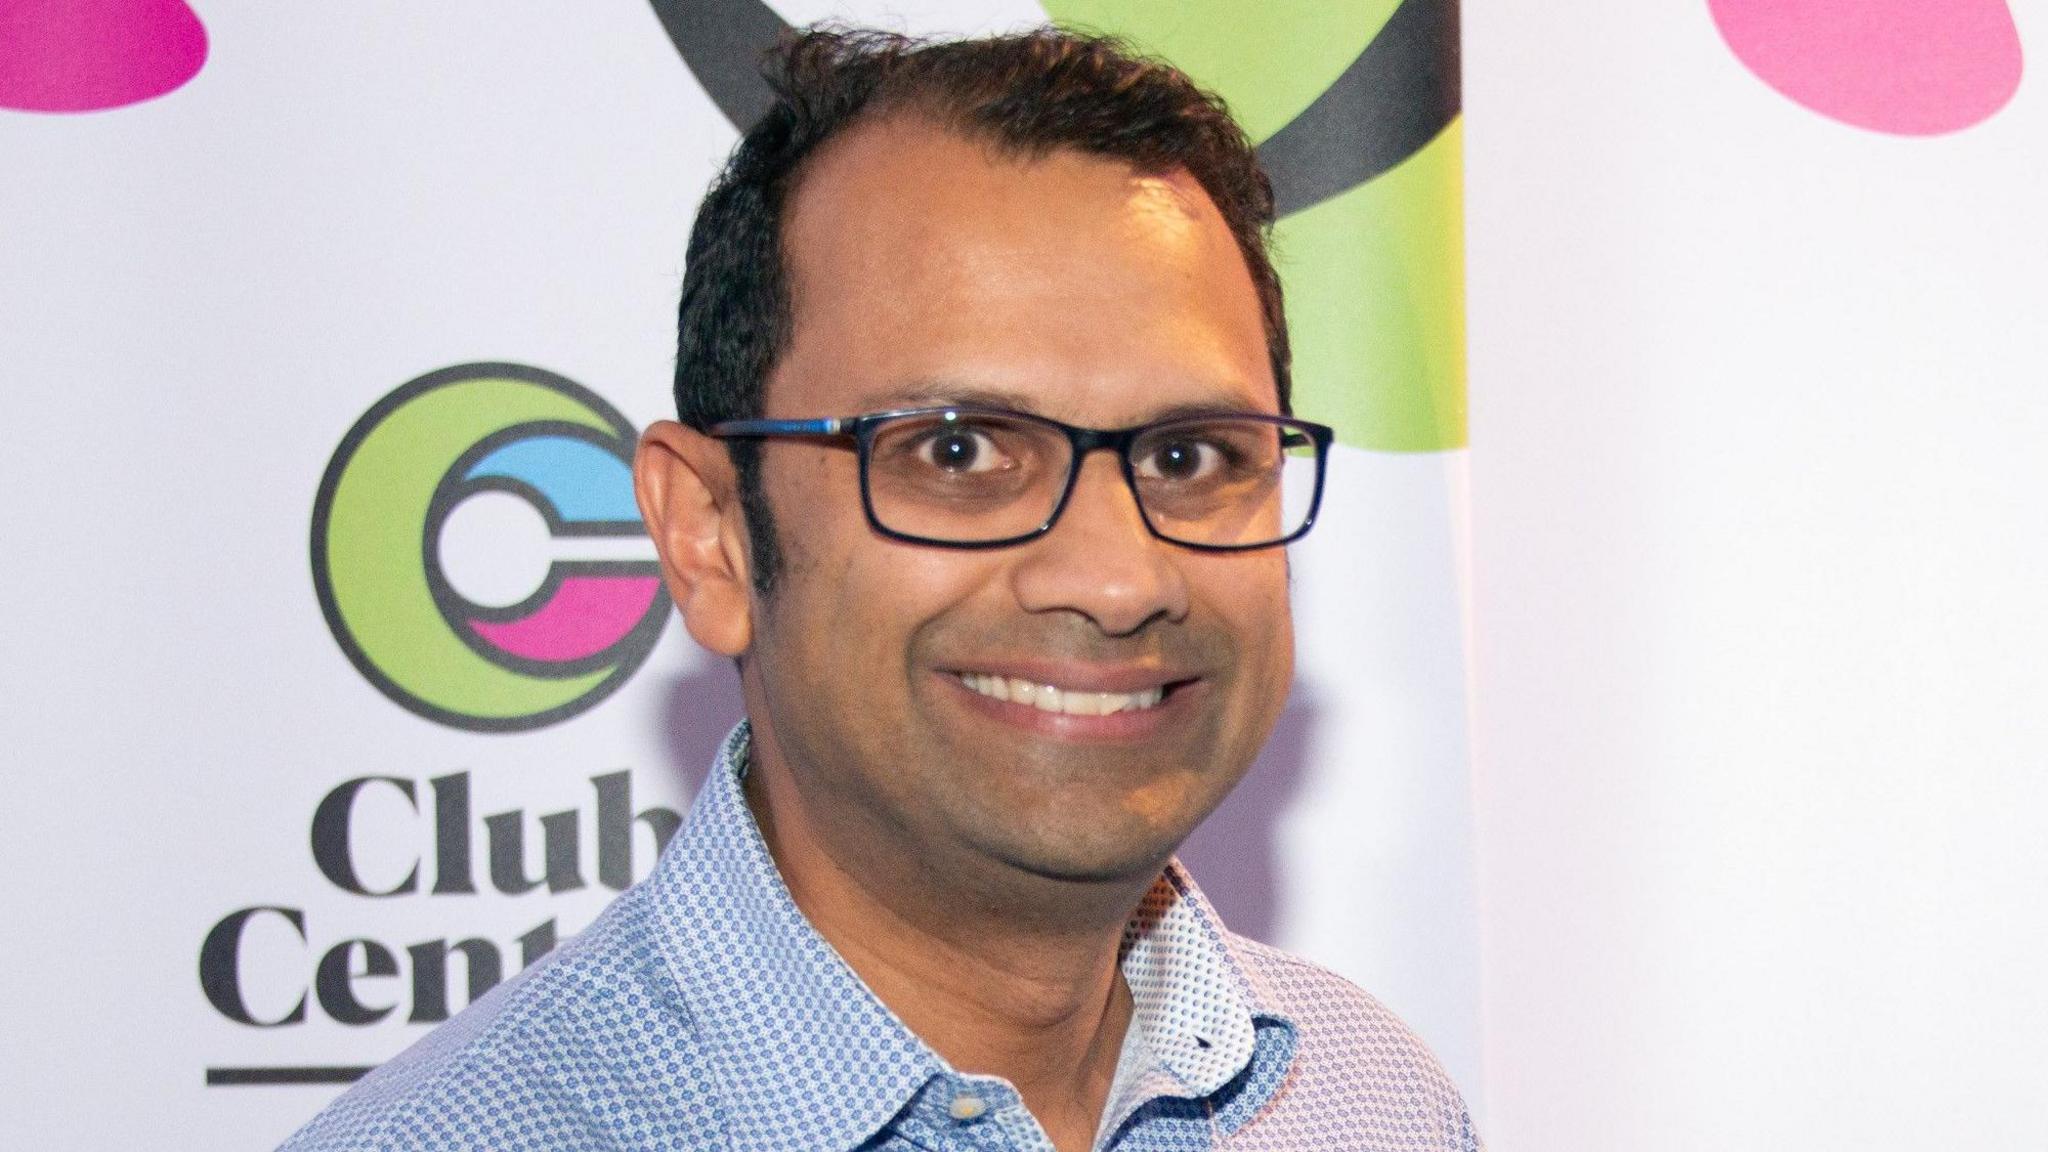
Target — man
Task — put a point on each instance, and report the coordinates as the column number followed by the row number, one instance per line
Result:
column 996, row 665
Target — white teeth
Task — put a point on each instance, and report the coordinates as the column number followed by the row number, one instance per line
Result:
column 1052, row 698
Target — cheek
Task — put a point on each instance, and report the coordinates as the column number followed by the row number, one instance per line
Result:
column 854, row 601
column 813, row 493
column 1250, row 595
column 1252, row 601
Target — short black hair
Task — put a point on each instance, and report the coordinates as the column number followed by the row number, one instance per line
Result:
column 1028, row 94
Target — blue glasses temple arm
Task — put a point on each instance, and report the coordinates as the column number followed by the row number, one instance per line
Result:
column 779, row 428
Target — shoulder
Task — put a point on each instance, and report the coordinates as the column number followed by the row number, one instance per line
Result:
column 1324, row 1007
column 558, row 1057
column 1354, row 1062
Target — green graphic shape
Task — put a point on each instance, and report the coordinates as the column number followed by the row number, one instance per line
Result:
column 1269, row 61
column 374, row 551
column 1375, row 277
column 1375, row 284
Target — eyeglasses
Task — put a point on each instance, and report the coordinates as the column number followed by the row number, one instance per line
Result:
column 968, row 477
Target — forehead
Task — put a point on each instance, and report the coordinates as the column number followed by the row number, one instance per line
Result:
column 1073, row 284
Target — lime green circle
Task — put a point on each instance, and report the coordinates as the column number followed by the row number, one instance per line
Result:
column 375, row 554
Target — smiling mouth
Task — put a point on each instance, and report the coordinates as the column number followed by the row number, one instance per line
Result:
column 1066, row 701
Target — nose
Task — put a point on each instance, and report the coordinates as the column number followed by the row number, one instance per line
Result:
column 1100, row 561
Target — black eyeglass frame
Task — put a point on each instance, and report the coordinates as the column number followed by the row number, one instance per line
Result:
column 861, row 430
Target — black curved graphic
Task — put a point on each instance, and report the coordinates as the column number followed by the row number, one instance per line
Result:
column 1394, row 99
column 723, row 41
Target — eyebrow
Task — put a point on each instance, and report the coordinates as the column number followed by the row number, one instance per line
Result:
column 945, row 394
column 952, row 394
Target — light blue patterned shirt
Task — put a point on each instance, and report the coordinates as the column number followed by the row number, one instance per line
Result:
column 702, row 1011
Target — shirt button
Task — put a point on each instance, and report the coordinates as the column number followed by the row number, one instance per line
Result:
column 967, row 1106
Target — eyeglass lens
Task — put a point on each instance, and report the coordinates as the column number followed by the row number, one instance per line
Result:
column 975, row 477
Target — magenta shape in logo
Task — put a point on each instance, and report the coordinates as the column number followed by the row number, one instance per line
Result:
column 86, row 55
column 1908, row 67
column 585, row 616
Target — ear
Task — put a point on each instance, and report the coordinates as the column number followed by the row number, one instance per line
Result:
column 689, row 496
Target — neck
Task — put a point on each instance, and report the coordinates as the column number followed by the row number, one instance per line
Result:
column 1017, row 981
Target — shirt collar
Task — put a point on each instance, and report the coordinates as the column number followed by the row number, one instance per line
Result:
column 807, row 1057
column 1193, row 1010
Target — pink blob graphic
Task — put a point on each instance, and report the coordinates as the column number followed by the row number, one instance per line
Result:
column 587, row 615
column 86, row 55
column 1909, row 67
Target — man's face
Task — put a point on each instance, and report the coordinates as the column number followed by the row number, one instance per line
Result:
column 928, row 270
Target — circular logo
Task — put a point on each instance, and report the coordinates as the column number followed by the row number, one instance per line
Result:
column 421, row 472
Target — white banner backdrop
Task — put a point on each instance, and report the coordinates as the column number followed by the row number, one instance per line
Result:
column 1760, row 547
column 212, row 301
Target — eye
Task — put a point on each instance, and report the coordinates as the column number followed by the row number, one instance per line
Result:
column 960, row 449
column 1179, row 461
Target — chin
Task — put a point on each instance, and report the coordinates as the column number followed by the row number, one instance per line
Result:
column 1096, row 855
